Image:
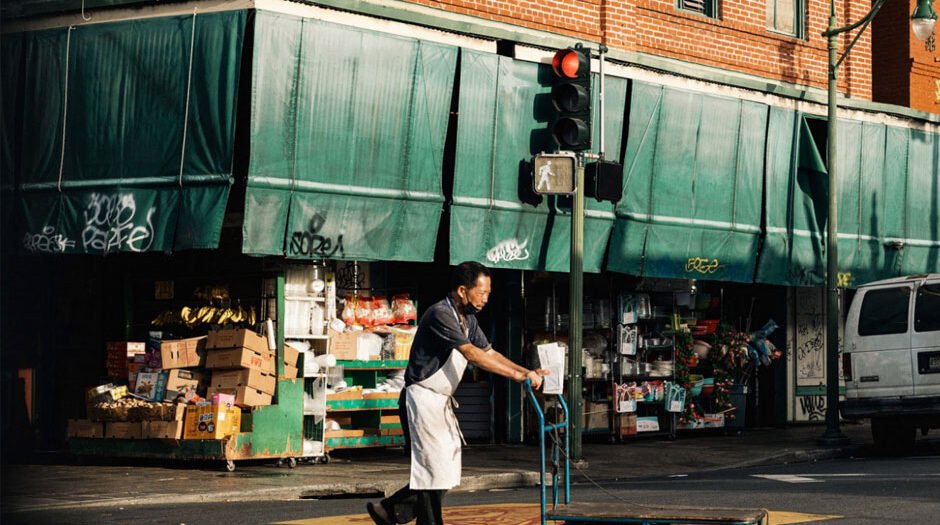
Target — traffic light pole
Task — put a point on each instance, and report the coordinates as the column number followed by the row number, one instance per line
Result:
column 576, row 273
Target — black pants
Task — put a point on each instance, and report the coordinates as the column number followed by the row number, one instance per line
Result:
column 406, row 504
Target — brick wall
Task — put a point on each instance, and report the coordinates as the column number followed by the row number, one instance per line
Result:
column 907, row 72
column 738, row 40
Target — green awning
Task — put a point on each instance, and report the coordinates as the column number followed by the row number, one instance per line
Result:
column 692, row 187
column 11, row 56
column 888, row 203
column 127, row 133
column 347, row 141
column 495, row 218
column 797, row 189
column 921, row 240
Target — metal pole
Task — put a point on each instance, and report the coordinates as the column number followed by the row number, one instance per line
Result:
column 600, row 102
column 574, row 310
column 832, row 436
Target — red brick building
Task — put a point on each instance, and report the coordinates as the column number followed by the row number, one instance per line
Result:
column 906, row 70
column 734, row 35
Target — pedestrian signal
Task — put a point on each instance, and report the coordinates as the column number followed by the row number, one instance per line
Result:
column 554, row 173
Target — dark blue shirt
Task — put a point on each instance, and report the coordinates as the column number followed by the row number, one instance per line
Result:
column 438, row 334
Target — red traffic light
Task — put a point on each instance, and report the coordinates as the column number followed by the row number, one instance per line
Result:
column 570, row 63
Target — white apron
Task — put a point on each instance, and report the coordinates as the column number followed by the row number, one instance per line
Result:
column 435, row 436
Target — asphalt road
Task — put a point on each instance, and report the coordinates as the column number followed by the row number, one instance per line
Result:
column 859, row 491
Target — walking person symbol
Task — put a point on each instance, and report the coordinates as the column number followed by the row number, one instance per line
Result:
column 544, row 173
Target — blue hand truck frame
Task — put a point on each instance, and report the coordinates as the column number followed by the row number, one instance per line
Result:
column 645, row 515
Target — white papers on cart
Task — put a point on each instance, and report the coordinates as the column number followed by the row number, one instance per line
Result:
column 552, row 358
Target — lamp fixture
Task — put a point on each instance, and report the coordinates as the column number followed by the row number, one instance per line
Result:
column 923, row 19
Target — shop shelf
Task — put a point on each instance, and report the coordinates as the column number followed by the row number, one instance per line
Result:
column 304, row 298
column 365, row 442
column 345, row 405
column 374, row 364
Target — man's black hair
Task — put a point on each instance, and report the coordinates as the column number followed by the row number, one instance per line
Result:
column 467, row 273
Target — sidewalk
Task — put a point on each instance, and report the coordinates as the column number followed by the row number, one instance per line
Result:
column 62, row 486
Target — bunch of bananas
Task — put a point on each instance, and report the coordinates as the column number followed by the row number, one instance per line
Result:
column 207, row 315
column 209, row 293
column 168, row 318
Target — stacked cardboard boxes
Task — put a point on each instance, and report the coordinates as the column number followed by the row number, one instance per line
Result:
column 120, row 354
column 242, row 365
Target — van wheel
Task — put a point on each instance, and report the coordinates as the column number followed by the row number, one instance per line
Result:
column 893, row 437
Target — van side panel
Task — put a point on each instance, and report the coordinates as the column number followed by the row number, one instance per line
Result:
column 879, row 339
column 925, row 340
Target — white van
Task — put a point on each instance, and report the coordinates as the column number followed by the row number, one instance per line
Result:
column 891, row 359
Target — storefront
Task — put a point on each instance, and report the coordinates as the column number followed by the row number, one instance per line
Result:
column 263, row 138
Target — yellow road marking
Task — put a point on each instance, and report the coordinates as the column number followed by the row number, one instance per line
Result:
column 521, row 514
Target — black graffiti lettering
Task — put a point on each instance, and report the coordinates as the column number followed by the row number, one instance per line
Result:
column 311, row 244
column 813, row 407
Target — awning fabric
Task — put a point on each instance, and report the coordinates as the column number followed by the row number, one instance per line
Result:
column 495, row 218
column 692, row 188
column 11, row 54
column 796, row 209
column 889, row 203
column 921, row 249
column 127, row 132
column 347, row 140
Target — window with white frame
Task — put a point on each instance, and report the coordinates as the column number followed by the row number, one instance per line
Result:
column 786, row 16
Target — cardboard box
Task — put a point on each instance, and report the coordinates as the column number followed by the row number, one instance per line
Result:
column 163, row 429
column 291, row 356
column 182, row 353
column 240, row 358
column 627, row 424
column 222, row 400
column 245, row 396
column 342, row 420
column 123, row 430
column 237, row 338
column 185, row 384
column 290, row 372
column 596, row 415
column 351, row 394
column 119, row 353
column 211, row 422
column 151, row 385
column 391, row 420
column 256, row 379
column 86, row 428
column 108, row 392
column 345, row 345
column 382, row 395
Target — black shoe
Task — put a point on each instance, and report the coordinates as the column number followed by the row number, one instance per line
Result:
column 370, row 508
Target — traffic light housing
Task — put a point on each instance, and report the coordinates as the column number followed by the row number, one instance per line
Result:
column 571, row 95
column 603, row 180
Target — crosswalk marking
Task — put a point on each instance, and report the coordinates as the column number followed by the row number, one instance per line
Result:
column 522, row 514
column 788, row 478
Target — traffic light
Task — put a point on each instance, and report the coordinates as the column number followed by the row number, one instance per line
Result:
column 571, row 96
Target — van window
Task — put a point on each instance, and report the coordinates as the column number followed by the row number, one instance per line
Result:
column 927, row 308
column 885, row 311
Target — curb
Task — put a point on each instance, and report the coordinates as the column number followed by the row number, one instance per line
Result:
column 483, row 481
column 502, row 480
